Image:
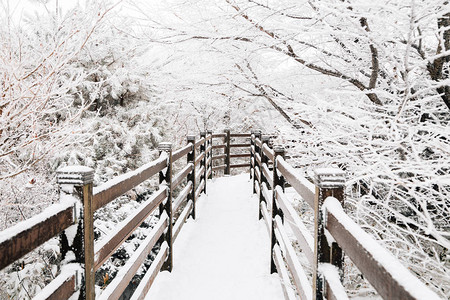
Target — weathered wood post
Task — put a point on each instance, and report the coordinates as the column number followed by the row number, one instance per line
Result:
column 191, row 176
column 165, row 178
column 278, row 181
column 329, row 182
column 264, row 160
column 210, row 153
column 227, row 152
column 203, row 161
column 257, row 135
column 77, row 181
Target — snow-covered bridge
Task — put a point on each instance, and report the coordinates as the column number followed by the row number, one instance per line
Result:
column 238, row 231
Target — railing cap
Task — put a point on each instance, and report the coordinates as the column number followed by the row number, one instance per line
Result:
column 191, row 137
column 329, row 177
column 209, row 131
column 165, row 146
column 202, row 133
column 76, row 175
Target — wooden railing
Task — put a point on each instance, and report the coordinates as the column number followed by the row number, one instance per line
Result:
column 334, row 233
column 75, row 212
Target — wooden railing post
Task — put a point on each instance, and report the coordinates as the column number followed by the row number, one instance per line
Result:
column 264, row 160
column 210, row 153
column 329, row 183
column 191, row 176
column 278, row 180
column 257, row 135
column 78, row 181
column 203, row 162
column 227, row 152
column 165, row 178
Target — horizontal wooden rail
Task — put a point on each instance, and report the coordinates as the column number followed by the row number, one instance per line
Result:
column 258, row 159
column 126, row 273
column 180, row 176
column 240, row 145
column 386, row 274
column 281, row 267
column 63, row 286
column 219, row 135
column 200, row 188
column 200, row 142
column 301, row 185
column 199, row 158
column 298, row 274
column 304, row 237
column 335, row 289
column 241, row 135
column 124, row 229
column 268, row 152
column 219, row 146
column 182, row 196
column 267, row 174
column 24, row 237
column 221, row 156
column 240, row 155
column 176, row 155
column 243, row 165
column 181, row 220
column 149, row 277
column 123, row 183
column 217, row 168
column 266, row 217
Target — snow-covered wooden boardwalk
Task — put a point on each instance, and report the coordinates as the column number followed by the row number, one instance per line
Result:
column 224, row 253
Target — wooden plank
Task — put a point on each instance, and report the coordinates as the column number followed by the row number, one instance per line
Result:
column 149, row 277
column 176, row 155
column 299, row 229
column 118, row 186
column 115, row 289
column 334, row 288
column 240, row 145
column 282, row 271
column 219, row 135
column 62, row 287
column 199, row 173
column 301, row 185
column 299, row 276
column 257, row 174
column 382, row 269
column 200, row 142
column 180, row 176
column 268, row 174
column 208, row 149
column 221, row 156
column 266, row 216
column 199, row 189
column 242, row 135
column 24, row 237
column 258, row 159
column 219, row 146
column 240, row 155
column 244, row 165
column 268, row 152
column 258, row 142
column 221, row 167
column 208, row 173
column 182, row 196
column 124, row 229
column 181, row 220
column 257, row 188
column 267, row 196
column 199, row 158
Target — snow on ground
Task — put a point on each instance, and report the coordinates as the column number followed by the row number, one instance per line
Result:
column 224, row 253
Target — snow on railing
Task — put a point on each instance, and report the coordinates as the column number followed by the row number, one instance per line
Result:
column 334, row 232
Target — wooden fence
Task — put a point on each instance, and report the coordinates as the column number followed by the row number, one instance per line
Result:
column 79, row 201
column 334, row 233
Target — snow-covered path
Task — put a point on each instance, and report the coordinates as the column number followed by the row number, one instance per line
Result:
column 224, row 253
